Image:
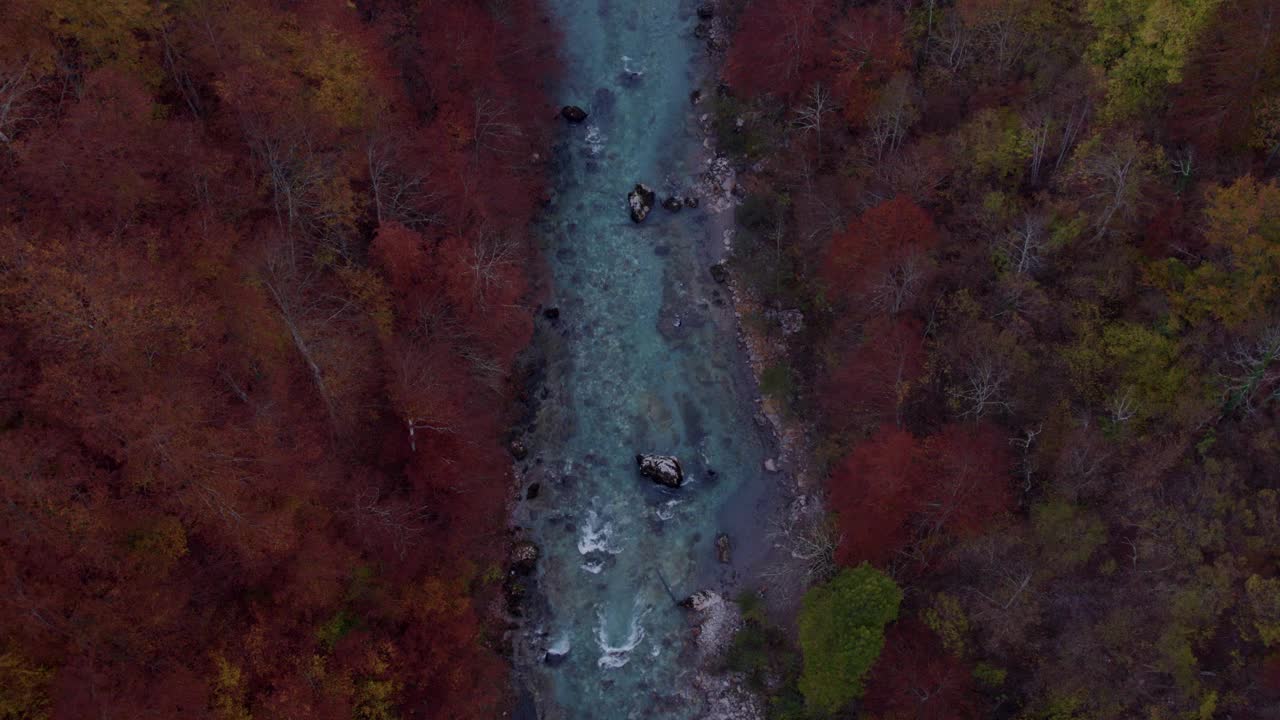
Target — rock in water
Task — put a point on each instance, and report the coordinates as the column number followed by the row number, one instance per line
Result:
column 524, row 557
column 641, row 201
column 518, row 450
column 690, row 201
column 573, row 113
column 706, row 11
column 674, row 204
column 719, row 273
column 662, row 469
column 723, row 548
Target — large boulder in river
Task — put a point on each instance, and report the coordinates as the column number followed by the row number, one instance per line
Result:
column 641, row 201
column 573, row 113
column 524, row 557
column 662, row 469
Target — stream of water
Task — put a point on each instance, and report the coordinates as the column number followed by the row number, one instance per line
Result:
column 643, row 358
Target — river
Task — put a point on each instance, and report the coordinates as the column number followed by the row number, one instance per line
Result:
column 642, row 358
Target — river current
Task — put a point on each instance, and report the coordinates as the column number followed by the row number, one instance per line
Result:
column 642, row 358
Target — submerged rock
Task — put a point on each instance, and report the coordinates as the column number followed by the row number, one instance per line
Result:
column 573, row 113
column 719, row 273
column 662, row 469
column 706, row 11
column 641, row 201
column 673, row 204
column 551, row 313
column 518, row 450
column 690, row 201
column 723, row 548
column 533, row 491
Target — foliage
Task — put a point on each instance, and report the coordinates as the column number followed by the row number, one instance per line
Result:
column 1068, row 534
column 24, row 688
column 841, row 634
column 1143, row 46
column 262, row 284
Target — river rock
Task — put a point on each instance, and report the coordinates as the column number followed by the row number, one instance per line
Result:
column 723, row 548
column 518, row 450
column 551, row 313
column 706, row 11
column 719, row 273
column 673, row 204
column 690, row 201
column 573, row 113
column 717, row 620
column 641, row 201
column 524, row 556
column 662, row 469
column 557, row 652
column 534, row 490
column 771, row 465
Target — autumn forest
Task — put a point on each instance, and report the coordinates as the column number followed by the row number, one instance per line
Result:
column 274, row 299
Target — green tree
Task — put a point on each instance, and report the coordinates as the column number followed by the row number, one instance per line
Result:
column 1142, row 46
column 842, row 633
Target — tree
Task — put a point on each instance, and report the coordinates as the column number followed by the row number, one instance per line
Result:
column 873, row 383
column 780, row 47
column 917, row 678
column 968, row 479
column 882, row 258
column 867, row 50
column 875, row 492
column 842, row 633
column 1239, row 285
column 1142, row 46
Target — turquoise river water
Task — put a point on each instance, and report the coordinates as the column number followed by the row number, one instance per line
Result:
column 643, row 358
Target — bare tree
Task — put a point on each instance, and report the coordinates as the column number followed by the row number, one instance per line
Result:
column 490, row 254
column 399, row 194
column 1070, row 132
column 1253, row 375
column 493, row 125
column 954, row 40
column 894, row 115
column 403, row 523
column 807, row 537
column 898, row 286
column 983, row 387
column 1026, row 460
column 16, row 88
column 817, row 105
column 1038, row 124
column 296, row 175
column 1117, row 173
column 1123, row 406
column 1025, row 244
column 1183, row 163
